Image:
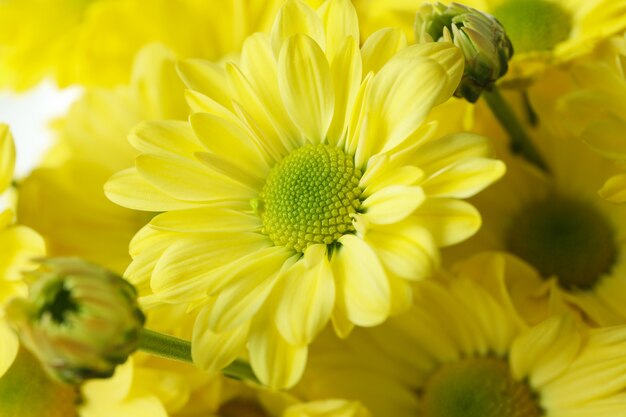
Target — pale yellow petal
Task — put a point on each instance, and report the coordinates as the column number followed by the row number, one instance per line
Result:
column 296, row 17
column 275, row 362
column 189, row 180
column 406, row 249
column 306, row 87
column 207, row 219
column 205, row 77
column 164, row 137
column 442, row 152
column 381, row 173
column 545, row 351
column 606, row 137
column 7, row 157
column 366, row 292
column 449, row 221
column 213, row 351
column 392, row 204
column 340, row 22
column 20, row 245
column 8, row 347
column 614, row 189
column 307, row 299
column 464, row 178
column 129, row 189
column 380, row 47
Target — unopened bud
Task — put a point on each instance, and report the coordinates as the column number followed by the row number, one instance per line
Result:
column 481, row 38
column 79, row 320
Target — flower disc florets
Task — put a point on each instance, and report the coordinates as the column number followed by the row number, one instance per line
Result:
column 309, row 197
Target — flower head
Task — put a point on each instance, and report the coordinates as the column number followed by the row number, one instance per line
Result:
column 482, row 39
column 306, row 187
column 80, row 320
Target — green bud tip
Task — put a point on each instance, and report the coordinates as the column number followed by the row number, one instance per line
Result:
column 79, row 319
column 480, row 37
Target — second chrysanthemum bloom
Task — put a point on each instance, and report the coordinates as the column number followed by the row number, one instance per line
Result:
column 306, row 187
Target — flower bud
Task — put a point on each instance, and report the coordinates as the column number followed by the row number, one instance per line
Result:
column 480, row 37
column 79, row 320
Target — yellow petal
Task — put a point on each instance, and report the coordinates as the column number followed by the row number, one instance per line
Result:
column 405, row 249
column 307, row 298
column 380, row 47
column 8, row 347
column 445, row 151
column 189, row 180
column 129, row 189
column 7, row 157
column 296, row 17
column 392, row 204
column 614, row 189
column 213, row 351
column 449, row 221
column 363, row 280
column 275, row 362
column 306, row 86
column 606, row 138
column 340, row 22
column 205, row 77
column 327, row 408
column 164, row 137
column 381, row 173
column 207, row 219
column 464, row 178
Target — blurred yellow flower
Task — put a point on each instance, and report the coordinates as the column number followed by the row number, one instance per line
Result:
column 462, row 351
column 78, row 220
column 305, row 188
column 94, row 42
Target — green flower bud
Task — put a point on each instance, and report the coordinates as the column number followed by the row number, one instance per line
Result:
column 481, row 38
column 79, row 320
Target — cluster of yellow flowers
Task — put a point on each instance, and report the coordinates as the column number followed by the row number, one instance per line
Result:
column 362, row 208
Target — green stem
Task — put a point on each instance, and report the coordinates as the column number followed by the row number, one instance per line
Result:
column 173, row 348
column 520, row 142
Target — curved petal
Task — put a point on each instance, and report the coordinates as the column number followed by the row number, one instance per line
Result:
column 614, row 189
column 464, row 178
column 8, row 347
column 296, row 17
column 307, row 299
column 164, row 137
column 306, row 86
column 340, row 22
column 366, row 292
column 207, row 219
column 449, row 221
column 7, row 157
column 392, row 204
column 442, row 152
column 380, row 47
column 205, row 77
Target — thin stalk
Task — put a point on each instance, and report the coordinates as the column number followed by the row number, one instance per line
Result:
column 520, row 142
column 176, row 349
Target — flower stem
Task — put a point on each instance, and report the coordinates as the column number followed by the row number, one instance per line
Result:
column 176, row 349
column 520, row 142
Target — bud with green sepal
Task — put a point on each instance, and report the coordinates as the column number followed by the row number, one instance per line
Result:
column 481, row 38
column 79, row 320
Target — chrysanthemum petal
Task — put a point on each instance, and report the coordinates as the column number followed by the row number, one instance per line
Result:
column 449, row 221
column 405, row 249
column 307, row 299
column 363, row 280
column 464, row 178
column 129, row 189
column 545, row 351
column 606, row 137
column 275, row 362
column 392, row 204
column 248, row 289
column 164, row 137
column 296, row 17
column 442, row 152
column 189, row 180
column 205, row 77
column 340, row 22
column 214, row 351
column 207, row 219
column 380, row 47
column 8, row 347
column 614, row 189
column 306, row 86
column 381, row 173
column 7, row 157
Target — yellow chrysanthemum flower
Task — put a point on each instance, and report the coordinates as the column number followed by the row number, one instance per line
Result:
column 94, row 42
column 543, row 32
column 78, row 219
column 462, row 351
column 596, row 110
column 306, row 187
column 555, row 221
column 19, row 244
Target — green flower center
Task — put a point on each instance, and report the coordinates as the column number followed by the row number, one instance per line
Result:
column 566, row 238
column 309, row 197
column 534, row 25
column 477, row 387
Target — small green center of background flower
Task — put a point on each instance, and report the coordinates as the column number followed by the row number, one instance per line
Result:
column 566, row 238
column 477, row 387
column 534, row 25
column 309, row 197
